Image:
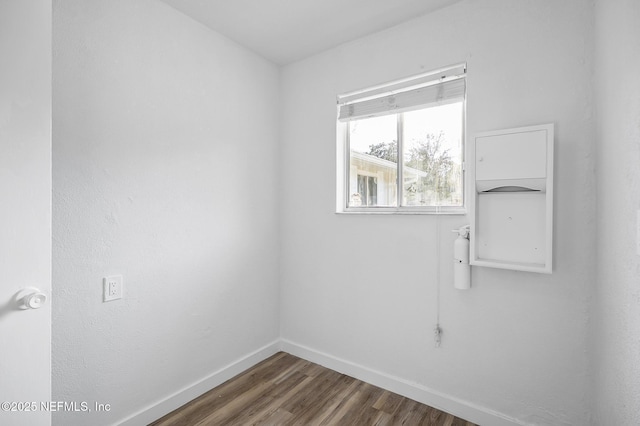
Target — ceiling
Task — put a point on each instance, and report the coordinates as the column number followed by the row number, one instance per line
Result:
column 285, row 31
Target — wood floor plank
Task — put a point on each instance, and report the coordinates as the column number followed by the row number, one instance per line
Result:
column 226, row 413
column 331, row 399
column 271, row 401
column 384, row 419
column 199, row 408
column 448, row 420
column 285, row 390
column 437, row 417
column 322, row 397
column 362, row 411
column 304, row 400
column 279, row 417
column 268, row 412
column 336, row 409
column 388, row 402
column 403, row 412
column 418, row 414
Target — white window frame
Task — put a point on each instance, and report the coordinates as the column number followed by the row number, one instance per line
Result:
column 343, row 149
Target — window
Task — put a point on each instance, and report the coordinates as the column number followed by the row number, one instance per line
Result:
column 367, row 194
column 401, row 145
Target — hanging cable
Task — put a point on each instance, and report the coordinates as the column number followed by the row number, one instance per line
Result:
column 437, row 330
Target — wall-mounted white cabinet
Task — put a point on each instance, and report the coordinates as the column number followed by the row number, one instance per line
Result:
column 512, row 203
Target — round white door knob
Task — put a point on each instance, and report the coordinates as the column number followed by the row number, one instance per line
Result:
column 30, row 298
column 35, row 300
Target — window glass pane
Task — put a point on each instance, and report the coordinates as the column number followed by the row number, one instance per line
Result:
column 432, row 141
column 373, row 161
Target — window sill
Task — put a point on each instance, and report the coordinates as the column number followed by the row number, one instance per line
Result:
column 403, row 211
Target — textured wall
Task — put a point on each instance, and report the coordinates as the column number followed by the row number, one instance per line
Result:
column 617, row 323
column 165, row 171
column 362, row 288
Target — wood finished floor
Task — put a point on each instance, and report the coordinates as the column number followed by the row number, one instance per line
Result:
column 286, row 390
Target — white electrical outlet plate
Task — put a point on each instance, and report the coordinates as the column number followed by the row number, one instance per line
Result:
column 112, row 287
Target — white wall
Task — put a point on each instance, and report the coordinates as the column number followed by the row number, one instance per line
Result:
column 165, row 171
column 617, row 323
column 362, row 288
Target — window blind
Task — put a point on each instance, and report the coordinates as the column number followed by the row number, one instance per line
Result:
column 432, row 89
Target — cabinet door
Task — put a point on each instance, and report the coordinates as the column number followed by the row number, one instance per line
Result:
column 518, row 155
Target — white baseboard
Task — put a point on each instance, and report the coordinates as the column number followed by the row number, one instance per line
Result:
column 463, row 409
column 156, row 410
column 457, row 407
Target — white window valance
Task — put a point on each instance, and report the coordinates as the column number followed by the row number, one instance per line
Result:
column 435, row 88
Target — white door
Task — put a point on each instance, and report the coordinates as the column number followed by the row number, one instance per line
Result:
column 25, row 210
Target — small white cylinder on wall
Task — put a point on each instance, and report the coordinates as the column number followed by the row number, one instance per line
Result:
column 461, row 267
